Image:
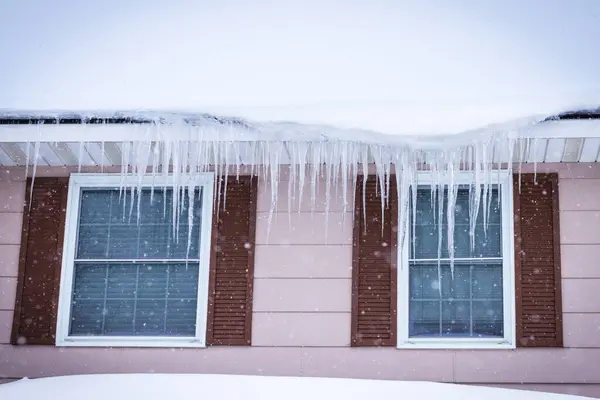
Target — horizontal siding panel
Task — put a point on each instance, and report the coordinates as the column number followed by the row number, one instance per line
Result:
column 581, row 295
column 8, row 292
column 303, row 261
column 18, row 361
column 12, row 196
column 11, row 228
column 580, row 227
column 569, row 366
column 580, row 261
column 304, row 203
column 582, row 330
column 380, row 363
column 306, row 228
column 525, row 365
column 308, row 295
column 579, row 194
column 301, row 329
column 9, row 260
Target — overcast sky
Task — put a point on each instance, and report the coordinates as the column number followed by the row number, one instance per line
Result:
column 389, row 65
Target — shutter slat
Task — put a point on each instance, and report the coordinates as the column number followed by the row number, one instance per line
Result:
column 40, row 262
column 537, row 261
column 374, row 267
column 232, row 264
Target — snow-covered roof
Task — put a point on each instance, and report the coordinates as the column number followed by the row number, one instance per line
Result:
column 104, row 137
column 235, row 387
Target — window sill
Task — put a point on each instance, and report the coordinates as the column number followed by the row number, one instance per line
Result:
column 165, row 342
column 456, row 344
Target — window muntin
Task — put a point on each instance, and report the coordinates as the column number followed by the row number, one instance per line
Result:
column 135, row 281
column 475, row 308
column 135, row 277
column 468, row 304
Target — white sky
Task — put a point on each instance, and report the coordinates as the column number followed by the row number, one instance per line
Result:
column 403, row 67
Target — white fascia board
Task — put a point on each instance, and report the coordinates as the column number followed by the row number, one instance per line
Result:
column 275, row 132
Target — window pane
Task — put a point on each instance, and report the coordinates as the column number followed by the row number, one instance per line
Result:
column 134, row 299
column 424, row 318
column 488, row 318
column 468, row 304
column 456, row 318
column 109, row 227
column 424, row 282
column 487, row 236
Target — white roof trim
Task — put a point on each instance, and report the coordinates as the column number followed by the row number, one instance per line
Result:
column 19, row 133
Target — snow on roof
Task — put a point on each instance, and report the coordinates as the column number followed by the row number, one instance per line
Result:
column 235, row 387
column 176, row 125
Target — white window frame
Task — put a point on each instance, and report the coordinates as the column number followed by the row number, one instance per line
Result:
column 504, row 180
column 77, row 183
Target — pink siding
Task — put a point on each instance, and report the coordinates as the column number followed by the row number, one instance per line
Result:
column 302, row 295
column 288, row 329
column 334, row 228
column 578, row 261
column 301, row 323
column 9, row 261
column 317, row 261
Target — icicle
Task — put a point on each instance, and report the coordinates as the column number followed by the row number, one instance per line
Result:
column 273, row 164
column 440, row 211
column 535, row 149
column 316, row 153
column 345, row 172
column 142, row 154
column 355, row 172
column 125, row 157
column 413, row 201
column 328, row 178
column 520, row 162
column 452, row 166
column 220, row 182
column 291, row 186
column 165, row 172
column 155, row 161
column 80, row 157
column 365, row 171
column 27, row 158
column 302, row 165
column 405, row 183
column 487, row 186
column 191, row 198
column 102, row 156
column 180, row 160
column 475, row 199
column 36, row 157
column 175, row 182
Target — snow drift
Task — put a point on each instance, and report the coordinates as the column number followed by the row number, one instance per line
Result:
column 236, row 387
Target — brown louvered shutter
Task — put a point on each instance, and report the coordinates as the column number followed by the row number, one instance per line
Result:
column 232, row 263
column 40, row 262
column 374, row 266
column 537, row 261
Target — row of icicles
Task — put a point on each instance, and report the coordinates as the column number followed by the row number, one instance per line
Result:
column 337, row 163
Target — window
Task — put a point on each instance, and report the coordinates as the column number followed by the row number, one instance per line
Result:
column 467, row 303
column 135, row 281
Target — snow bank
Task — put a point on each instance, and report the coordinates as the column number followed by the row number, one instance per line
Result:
column 236, row 387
